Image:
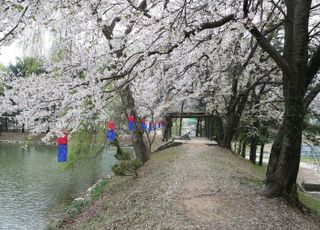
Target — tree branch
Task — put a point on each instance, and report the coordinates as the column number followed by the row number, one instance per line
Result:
column 311, row 95
column 15, row 27
column 267, row 47
column 210, row 25
column 313, row 67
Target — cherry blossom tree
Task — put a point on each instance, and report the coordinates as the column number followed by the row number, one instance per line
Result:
column 162, row 52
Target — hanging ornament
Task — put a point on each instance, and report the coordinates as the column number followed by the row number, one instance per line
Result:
column 111, row 124
column 64, row 139
column 143, row 124
column 111, row 134
column 131, row 123
column 63, row 147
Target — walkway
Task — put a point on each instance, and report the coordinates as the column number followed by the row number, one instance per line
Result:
column 197, row 140
column 191, row 186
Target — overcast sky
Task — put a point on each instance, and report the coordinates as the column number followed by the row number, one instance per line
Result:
column 8, row 54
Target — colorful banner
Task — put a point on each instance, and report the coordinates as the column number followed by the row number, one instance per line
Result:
column 62, row 153
column 111, row 134
column 63, row 147
column 131, row 123
column 143, row 124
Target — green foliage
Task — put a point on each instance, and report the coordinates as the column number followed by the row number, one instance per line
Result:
column 26, row 66
column 3, row 68
column 84, row 145
column 77, row 206
column 126, row 167
column 18, row 7
column 121, row 155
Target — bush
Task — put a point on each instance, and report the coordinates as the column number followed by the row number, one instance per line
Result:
column 127, row 167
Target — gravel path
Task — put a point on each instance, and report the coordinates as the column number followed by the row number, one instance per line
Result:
column 191, row 187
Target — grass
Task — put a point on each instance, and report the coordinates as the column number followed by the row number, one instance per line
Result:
column 80, row 204
column 313, row 204
column 308, row 159
column 310, row 202
column 98, row 189
column 262, row 170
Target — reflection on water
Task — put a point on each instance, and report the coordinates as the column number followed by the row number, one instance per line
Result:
column 34, row 187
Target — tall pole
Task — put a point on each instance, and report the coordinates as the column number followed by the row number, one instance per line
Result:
column 181, row 112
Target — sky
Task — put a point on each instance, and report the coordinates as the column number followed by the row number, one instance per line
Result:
column 9, row 53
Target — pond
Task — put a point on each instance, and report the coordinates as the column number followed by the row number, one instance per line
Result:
column 34, row 188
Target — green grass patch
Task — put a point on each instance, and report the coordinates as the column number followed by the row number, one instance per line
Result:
column 262, row 170
column 306, row 159
column 98, row 189
column 310, row 202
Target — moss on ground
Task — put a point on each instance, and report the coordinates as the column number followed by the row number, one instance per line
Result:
column 313, row 204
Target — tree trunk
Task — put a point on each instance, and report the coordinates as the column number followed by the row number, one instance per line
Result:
column 218, row 129
column 253, row 149
column 283, row 168
column 282, row 174
column 261, row 154
column 201, row 129
column 274, row 155
column 167, row 129
column 140, row 148
column 198, row 127
column 244, row 148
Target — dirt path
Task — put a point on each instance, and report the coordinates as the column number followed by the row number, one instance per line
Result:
column 191, row 187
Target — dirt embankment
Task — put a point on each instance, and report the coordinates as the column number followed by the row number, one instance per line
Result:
column 191, row 187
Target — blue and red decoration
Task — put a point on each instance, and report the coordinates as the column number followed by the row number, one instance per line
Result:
column 131, row 123
column 111, row 135
column 63, row 147
column 143, row 124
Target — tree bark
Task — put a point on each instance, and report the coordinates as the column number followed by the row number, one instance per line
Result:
column 198, row 127
column 261, row 154
column 283, row 169
column 140, row 148
column 218, row 129
column 244, row 148
column 253, row 149
column 167, row 129
column 232, row 122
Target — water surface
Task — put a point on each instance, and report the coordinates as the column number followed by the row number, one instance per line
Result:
column 34, row 188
